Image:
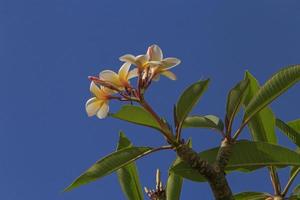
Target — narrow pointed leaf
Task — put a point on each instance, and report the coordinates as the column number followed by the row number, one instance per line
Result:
column 295, row 124
column 128, row 175
column 174, row 184
column 251, row 196
column 189, row 99
column 206, row 121
column 292, row 134
column 137, row 115
column 274, row 87
column 247, row 156
column 262, row 124
column 109, row 164
column 234, row 100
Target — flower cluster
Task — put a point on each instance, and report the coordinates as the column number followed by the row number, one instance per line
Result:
column 111, row 85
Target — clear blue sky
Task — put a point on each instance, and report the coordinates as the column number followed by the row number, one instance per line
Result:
column 48, row 48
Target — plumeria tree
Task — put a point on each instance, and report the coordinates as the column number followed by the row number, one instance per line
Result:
column 209, row 166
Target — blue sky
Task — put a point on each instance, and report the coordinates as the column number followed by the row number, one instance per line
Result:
column 49, row 48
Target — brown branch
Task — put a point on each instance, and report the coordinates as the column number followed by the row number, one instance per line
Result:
column 212, row 172
column 224, row 154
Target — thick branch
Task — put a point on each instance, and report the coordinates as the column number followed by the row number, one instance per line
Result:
column 212, row 172
column 224, row 154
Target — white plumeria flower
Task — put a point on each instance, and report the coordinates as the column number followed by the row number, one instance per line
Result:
column 98, row 105
column 153, row 59
column 120, row 80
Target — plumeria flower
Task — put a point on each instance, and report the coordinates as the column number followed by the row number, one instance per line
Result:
column 153, row 59
column 120, row 80
column 98, row 105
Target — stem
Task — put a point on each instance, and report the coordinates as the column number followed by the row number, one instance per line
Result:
column 178, row 131
column 275, row 180
column 212, row 172
column 237, row 133
column 155, row 150
column 290, row 181
column 164, row 129
column 162, row 148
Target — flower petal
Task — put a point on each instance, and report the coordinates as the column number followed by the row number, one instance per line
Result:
column 133, row 73
column 128, row 58
column 123, row 71
column 169, row 63
column 155, row 53
column 110, row 76
column 141, row 60
column 103, row 111
column 92, row 106
column 95, row 90
column 106, row 91
column 169, row 74
column 155, row 63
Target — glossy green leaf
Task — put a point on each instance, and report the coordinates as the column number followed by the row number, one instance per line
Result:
column 294, row 168
column 296, row 191
column 206, row 121
column 174, row 184
column 109, row 164
column 189, row 99
column 295, row 124
column 137, row 115
column 128, row 175
column 247, row 156
column 274, row 87
column 234, row 100
column 262, row 124
column 251, row 196
column 292, row 134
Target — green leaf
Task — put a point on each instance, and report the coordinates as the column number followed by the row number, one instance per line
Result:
column 136, row 115
column 246, row 156
column 262, row 124
column 293, row 169
column 292, row 131
column 251, row 196
column 128, row 175
column 189, row 99
column 109, row 164
column 234, row 100
column 293, row 197
column 274, row 87
column 296, row 191
column 293, row 135
column 295, row 124
column 174, row 184
column 207, row 121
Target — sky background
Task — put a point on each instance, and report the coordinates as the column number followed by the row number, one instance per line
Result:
column 49, row 48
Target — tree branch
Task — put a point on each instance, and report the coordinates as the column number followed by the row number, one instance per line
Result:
column 212, row 172
column 224, row 154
